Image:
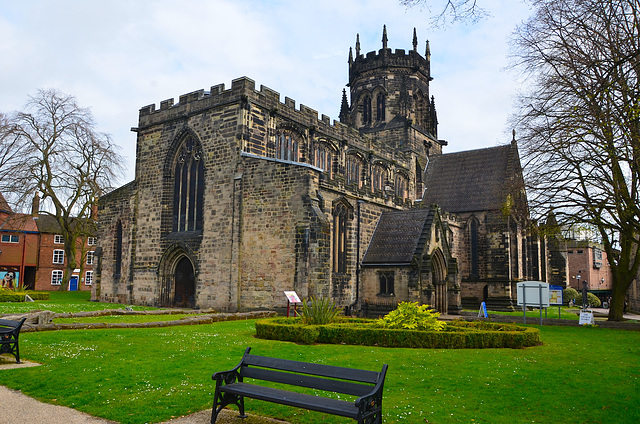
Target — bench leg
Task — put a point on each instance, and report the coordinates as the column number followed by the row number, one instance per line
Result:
column 223, row 399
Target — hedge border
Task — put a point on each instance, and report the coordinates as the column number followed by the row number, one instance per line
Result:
column 456, row 335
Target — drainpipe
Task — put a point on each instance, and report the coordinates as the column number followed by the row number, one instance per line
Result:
column 355, row 302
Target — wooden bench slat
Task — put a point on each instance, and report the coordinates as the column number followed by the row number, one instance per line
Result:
column 308, row 381
column 351, row 374
column 300, row 400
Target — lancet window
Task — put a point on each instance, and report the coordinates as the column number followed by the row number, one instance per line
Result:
column 188, row 195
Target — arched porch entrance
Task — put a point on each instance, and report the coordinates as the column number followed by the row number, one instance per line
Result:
column 177, row 279
column 439, row 280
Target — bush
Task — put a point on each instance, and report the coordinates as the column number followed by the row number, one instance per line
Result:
column 569, row 294
column 410, row 316
column 572, row 294
column 319, row 311
column 454, row 335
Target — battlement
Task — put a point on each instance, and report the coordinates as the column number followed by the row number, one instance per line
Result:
column 385, row 58
column 243, row 90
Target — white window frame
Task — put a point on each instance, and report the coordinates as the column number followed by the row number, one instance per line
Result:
column 58, row 254
column 90, row 257
column 58, row 239
column 10, row 238
column 91, row 241
column 88, row 278
column 56, row 277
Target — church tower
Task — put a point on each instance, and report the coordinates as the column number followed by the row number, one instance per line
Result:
column 389, row 92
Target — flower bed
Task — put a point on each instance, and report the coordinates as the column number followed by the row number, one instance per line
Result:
column 455, row 334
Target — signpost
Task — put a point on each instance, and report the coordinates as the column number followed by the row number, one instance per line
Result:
column 292, row 299
column 555, row 298
column 534, row 294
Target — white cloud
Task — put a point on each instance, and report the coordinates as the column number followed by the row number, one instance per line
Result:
column 118, row 56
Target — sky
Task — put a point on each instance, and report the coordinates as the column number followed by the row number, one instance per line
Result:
column 118, row 56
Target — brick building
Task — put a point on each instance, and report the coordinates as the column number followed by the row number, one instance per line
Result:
column 32, row 249
column 588, row 260
column 238, row 197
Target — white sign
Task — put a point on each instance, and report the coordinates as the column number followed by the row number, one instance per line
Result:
column 533, row 293
column 586, row 318
column 292, row 297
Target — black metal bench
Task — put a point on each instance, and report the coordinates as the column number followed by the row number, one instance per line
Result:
column 9, row 334
column 367, row 386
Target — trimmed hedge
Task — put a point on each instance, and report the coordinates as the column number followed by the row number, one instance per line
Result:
column 11, row 296
column 456, row 334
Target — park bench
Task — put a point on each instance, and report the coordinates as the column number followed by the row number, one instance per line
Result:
column 9, row 334
column 367, row 386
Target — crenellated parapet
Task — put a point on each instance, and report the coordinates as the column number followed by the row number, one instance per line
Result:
column 386, row 58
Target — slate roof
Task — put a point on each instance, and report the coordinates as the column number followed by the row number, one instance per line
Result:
column 399, row 236
column 474, row 180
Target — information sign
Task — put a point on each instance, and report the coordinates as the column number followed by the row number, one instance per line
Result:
column 555, row 295
column 586, row 318
column 533, row 293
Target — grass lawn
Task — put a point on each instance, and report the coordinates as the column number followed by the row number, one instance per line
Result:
column 63, row 301
column 579, row 375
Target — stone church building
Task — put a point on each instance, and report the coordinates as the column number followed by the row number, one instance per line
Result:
column 239, row 197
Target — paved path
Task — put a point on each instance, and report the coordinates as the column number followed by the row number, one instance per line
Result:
column 21, row 409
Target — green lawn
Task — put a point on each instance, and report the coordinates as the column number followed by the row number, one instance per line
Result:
column 579, row 375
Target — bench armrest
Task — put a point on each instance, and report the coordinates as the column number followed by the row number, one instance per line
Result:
column 230, row 376
column 373, row 399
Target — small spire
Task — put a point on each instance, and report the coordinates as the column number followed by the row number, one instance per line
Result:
column 415, row 40
column 384, row 37
column 428, row 52
column 513, row 140
column 357, row 45
column 350, row 55
column 344, row 108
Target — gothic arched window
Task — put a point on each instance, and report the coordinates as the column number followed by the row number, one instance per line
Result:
column 287, row 147
column 366, row 110
column 473, row 247
column 380, row 107
column 188, row 194
column 118, row 250
column 340, row 237
column 401, row 186
column 354, row 169
column 377, row 178
column 322, row 158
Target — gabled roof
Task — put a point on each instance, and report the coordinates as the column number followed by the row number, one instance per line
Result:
column 474, row 180
column 399, row 236
column 4, row 205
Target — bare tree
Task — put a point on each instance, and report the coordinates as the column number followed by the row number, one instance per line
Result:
column 579, row 122
column 52, row 151
column 450, row 11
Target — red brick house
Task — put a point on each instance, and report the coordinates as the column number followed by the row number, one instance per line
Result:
column 32, row 251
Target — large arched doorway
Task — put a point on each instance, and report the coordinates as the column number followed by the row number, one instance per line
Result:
column 184, row 280
column 439, row 280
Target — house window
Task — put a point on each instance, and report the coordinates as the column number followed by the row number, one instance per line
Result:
column 56, row 277
column 58, row 256
column 286, row 147
column 58, row 239
column 188, row 194
column 88, row 278
column 386, row 283
column 380, row 106
column 91, row 241
column 340, row 239
column 9, row 238
column 377, row 178
column 90, row 258
column 353, row 170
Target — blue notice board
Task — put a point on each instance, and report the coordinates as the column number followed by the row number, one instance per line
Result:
column 555, row 295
